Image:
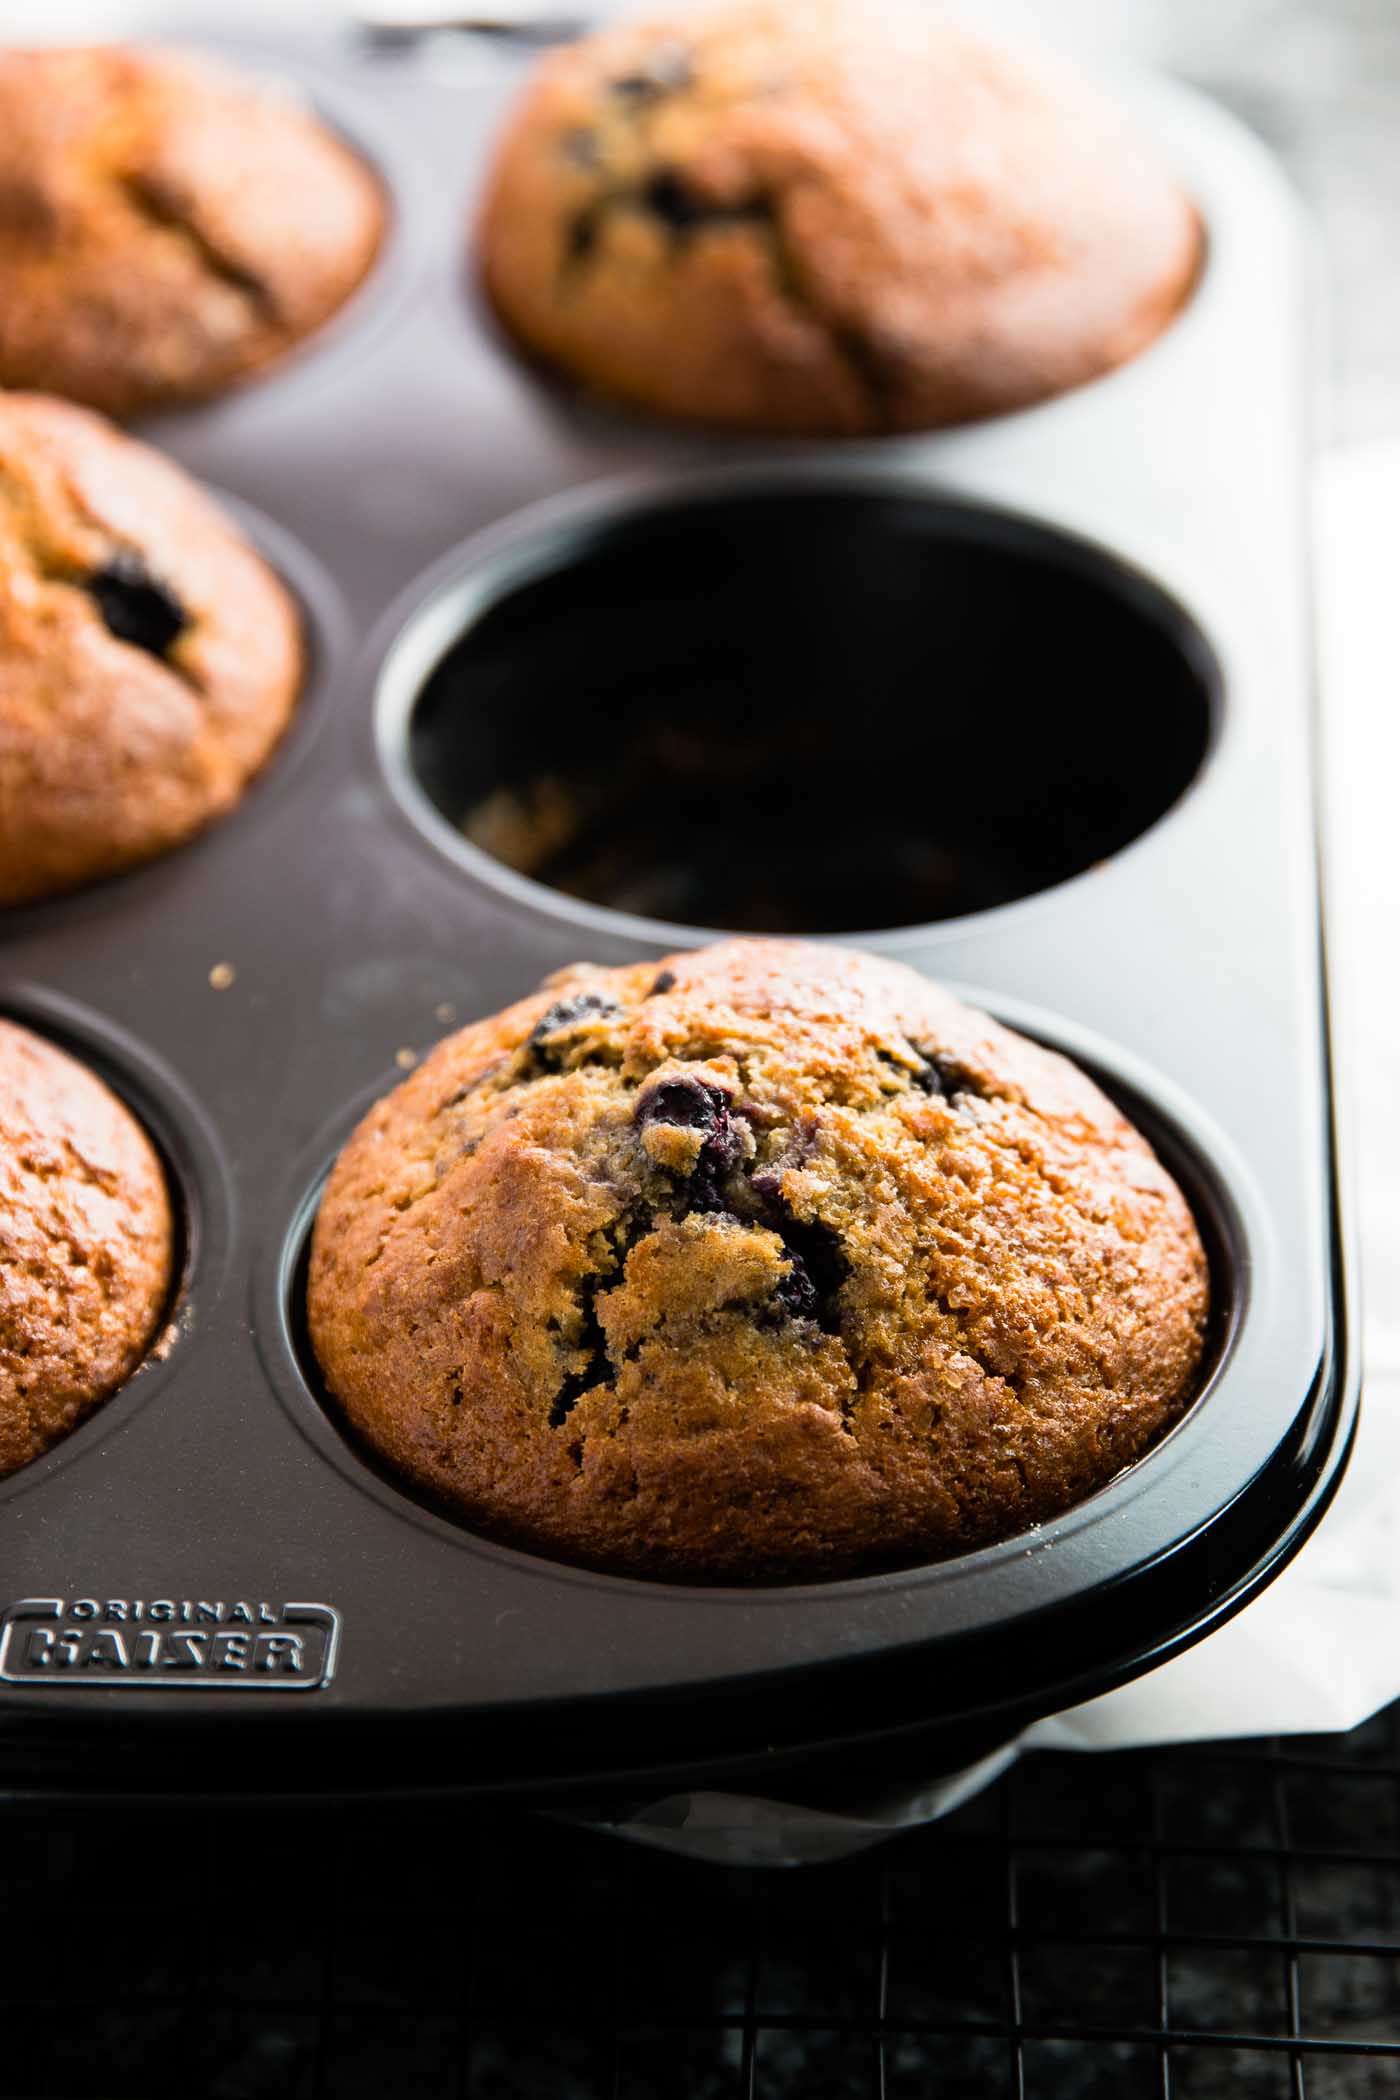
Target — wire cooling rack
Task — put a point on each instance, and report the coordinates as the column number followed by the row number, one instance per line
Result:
column 1218, row 1924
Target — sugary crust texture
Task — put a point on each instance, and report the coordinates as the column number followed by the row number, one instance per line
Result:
column 119, row 741
column 771, row 1260
column 167, row 227
column 826, row 218
column 85, row 1244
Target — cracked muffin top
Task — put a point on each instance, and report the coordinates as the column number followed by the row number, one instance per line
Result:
column 149, row 659
column 821, row 219
column 166, row 227
column 85, row 1244
column 768, row 1261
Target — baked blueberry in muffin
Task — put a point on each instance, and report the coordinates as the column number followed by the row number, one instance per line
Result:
column 772, row 1260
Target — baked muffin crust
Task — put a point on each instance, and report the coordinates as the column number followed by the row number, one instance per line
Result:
column 770, row 1260
column 149, row 659
column 85, row 1244
column 167, row 226
column 826, row 218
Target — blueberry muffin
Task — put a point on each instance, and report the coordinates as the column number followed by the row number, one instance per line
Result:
column 771, row 1260
column 85, row 1244
column 149, row 660
column 817, row 219
column 166, row 227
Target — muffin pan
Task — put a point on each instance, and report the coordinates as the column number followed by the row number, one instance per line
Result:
column 1027, row 704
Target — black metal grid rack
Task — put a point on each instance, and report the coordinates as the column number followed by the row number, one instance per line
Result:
column 1197, row 1924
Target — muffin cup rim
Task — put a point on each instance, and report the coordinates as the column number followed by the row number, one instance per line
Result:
column 1235, row 1233
column 197, row 1182
column 418, row 632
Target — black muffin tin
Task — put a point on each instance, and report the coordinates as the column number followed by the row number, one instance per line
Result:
column 1071, row 645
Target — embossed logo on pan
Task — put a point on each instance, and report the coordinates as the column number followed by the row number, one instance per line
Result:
column 169, row 1643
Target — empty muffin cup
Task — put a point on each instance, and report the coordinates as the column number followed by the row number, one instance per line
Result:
column 796, row 708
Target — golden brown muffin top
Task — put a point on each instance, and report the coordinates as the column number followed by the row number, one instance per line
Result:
column 771, row 1259
column 85, row 1244
column 827, row 217
column 149, row 659
column 167, row 226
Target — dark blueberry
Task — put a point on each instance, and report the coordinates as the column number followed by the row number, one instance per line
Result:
column 541, row 1052
column 818, row 1268
column 796, row 1292
column 692, row 1104
column 565, row 1012
column 941, row 1074
column 597, row 1369
column 665, row 981
column 675, row 204
column 135, row 605
column 725, row 1145
column 670, row 198
column 815, row 1250
column 688, row 1103
column 706, row 1190
column 665, row 71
